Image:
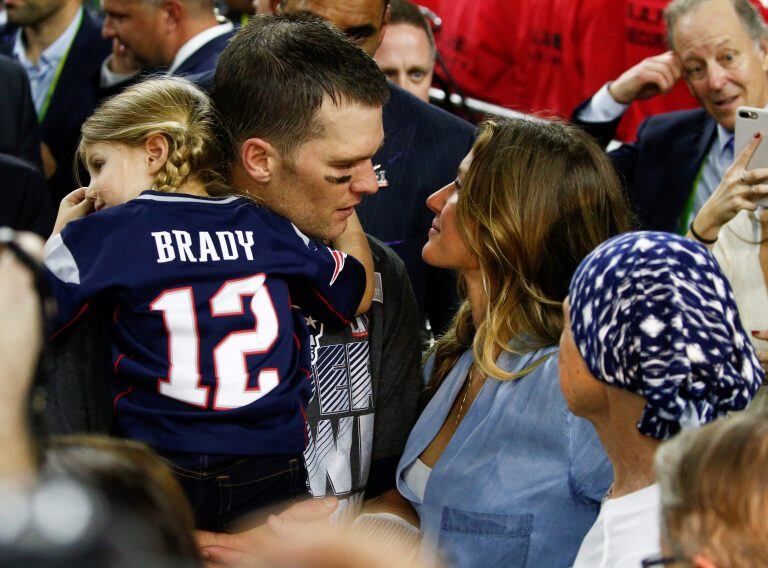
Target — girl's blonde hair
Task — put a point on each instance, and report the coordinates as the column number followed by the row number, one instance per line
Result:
column 174, row 108
column 538, row 196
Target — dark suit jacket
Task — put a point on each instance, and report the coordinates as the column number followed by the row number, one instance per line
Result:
column 19, row 131
column 198, row 67
column 423, row 147
column 205, row 58
column 24, row 201
column 659, row 168
column 75, row 98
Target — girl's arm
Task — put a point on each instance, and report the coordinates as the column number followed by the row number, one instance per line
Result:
column 354, row 242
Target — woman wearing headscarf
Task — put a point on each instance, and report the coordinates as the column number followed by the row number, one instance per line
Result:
column 652, row 344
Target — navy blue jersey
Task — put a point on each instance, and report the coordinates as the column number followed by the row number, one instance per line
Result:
column 209, row 351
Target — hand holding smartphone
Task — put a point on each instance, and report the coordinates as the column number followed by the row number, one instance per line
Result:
column 750, row 121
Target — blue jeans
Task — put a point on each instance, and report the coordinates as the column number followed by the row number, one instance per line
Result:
column 223, row 488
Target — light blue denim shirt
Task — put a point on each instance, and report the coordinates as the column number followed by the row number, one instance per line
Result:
column 521, row 481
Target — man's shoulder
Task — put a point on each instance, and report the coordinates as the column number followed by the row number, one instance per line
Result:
column 669, row 123
column 202, row 63
column 403, row 107
column 11, row 70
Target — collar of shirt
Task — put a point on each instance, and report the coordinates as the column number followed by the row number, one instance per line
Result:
column 196, row 42
column 53, row 54
column 723, row 138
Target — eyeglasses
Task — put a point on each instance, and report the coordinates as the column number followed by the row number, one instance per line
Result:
column 659, row 560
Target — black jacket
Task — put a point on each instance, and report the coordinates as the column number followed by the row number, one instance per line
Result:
column 75, row 98
column 658, row 169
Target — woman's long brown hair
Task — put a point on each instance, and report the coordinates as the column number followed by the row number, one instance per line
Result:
column 537, row 198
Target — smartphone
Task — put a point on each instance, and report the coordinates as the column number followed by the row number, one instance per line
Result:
column 749, row 121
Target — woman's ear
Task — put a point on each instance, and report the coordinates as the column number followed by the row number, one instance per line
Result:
column 156, row 147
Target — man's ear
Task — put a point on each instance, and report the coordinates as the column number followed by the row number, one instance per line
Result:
column 156, row 147
column 173, row 12
column 763, row 46
column 259, row 160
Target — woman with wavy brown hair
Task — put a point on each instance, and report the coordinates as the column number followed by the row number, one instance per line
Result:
column 499, row 472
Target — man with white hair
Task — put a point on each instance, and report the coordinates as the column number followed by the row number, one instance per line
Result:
column 720, row 48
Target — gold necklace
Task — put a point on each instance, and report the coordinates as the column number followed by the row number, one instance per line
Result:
column 468, row 386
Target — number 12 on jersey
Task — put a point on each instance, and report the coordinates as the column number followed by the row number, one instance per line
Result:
column 229, row 356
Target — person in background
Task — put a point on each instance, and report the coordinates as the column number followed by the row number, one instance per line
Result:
column 646, row 37
column 25, row 203
column 21, row 339
column 652, row 345
column 19, row 130
column 59, row 45
column 714, row 495
column 136, row 483
column 179, row 37
column 732, row 224
column 720, row 47
column 406, row 54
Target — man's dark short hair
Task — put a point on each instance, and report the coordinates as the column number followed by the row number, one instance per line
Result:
column 271, row 80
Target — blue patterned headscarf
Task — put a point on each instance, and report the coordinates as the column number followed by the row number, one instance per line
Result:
column 653, row 314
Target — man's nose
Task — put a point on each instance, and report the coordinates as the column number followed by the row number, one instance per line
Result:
column 366, row 181
column 717, row 77
column 108, row 29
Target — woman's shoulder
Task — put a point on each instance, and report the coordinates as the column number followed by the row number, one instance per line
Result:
column 534, row 367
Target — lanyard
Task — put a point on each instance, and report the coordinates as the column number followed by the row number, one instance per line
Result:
column 57, row 75
column 685, row 217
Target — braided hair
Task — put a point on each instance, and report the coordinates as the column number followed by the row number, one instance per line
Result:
column 180, row 112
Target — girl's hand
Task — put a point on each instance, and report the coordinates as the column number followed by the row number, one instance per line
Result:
column 739, row 189
column 74, row 206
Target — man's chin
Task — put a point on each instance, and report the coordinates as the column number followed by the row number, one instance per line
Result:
column 326, row 233
column 726, row 117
